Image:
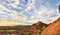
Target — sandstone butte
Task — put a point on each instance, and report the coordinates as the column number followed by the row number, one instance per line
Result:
column 52, row 29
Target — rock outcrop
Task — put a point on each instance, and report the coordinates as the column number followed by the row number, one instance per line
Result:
column 34, row 29
column 52, row 29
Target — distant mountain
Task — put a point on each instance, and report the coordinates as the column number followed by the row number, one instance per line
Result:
column 52, row 29
column 34, row 29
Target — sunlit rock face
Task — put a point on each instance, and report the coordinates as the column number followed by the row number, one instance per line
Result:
column 27, row 11
column 52, row 29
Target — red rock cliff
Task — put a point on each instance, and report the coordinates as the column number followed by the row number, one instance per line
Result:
column 52, row 29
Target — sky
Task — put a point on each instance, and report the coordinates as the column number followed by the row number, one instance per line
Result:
column 30, row 11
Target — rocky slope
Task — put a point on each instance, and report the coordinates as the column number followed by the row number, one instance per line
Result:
column 52, row 29
column 34, row 29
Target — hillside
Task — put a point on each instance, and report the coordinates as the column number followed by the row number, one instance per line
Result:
column 38, row 28
column 34, row 29
column 52, row 29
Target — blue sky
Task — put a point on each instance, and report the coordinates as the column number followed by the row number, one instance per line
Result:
column 30, row 11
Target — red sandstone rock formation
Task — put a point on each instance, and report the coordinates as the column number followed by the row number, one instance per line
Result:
column 37, row 28
column 34, row 29
column 52, row 29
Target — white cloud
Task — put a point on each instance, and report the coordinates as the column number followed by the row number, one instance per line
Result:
column 43, row 14
column 46, row 14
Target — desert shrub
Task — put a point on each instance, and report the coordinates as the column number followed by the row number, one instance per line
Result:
column 22, row 34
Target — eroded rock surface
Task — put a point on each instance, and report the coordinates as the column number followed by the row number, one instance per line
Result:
column 53, row 29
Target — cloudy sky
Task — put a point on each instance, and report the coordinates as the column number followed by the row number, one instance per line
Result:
column 30, row 11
